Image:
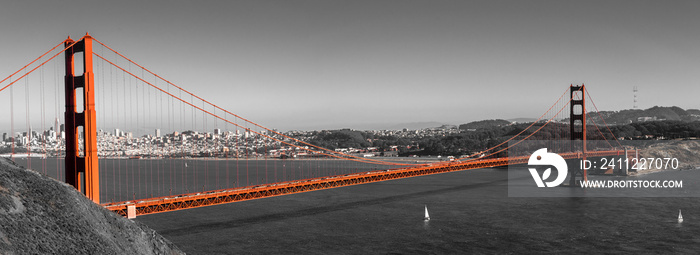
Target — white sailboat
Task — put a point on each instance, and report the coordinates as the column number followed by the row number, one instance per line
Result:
column 427, row 216
column 680, row 216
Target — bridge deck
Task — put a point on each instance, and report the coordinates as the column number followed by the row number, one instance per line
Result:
column 192, row 200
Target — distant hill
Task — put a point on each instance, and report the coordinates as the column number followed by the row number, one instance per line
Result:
column 655, row 113
column 414, row 125
column 522, row 120
column 484, row 124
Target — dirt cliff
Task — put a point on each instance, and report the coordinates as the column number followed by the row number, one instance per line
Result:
column 40, row 215
column 686, row 151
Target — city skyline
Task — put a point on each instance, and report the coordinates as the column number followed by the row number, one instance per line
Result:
column 365, row 64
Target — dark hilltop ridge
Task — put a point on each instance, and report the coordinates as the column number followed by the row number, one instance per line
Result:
column 40, row 215
column 656, row 113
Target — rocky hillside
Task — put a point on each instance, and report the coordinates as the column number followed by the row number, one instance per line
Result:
column 39, row 215
column 687, row 153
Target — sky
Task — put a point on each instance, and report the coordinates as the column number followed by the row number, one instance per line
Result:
column 293, row 64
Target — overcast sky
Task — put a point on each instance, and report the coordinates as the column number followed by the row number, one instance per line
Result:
column 293, row 64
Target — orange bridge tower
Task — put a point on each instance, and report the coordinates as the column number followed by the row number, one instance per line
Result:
column 577, row 125
column 81, row 154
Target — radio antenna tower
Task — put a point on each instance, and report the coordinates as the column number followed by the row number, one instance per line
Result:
column 635, row 96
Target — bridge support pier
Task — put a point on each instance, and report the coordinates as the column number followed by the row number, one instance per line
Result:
column 81, row 171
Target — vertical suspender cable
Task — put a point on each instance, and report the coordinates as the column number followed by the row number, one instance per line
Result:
column 43, row 116
column 237, row 153
column 226, row 145
column 12, row 121
column 183, row 126
column 29, row 124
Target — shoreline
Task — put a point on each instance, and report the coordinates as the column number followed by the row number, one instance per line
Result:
column 388, row 159
column 653, row 171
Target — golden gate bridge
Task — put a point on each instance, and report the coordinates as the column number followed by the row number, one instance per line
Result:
column 104, row 88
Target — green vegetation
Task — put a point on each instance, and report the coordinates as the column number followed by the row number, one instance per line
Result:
column 344, row 138
column 658, row 130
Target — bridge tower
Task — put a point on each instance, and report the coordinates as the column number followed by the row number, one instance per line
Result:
column 577, row 125
column 81, row 170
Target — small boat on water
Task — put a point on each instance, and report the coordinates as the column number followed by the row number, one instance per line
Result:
column 680, row 216
column 427, row 216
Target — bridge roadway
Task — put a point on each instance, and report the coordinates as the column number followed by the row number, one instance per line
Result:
column 192, row 200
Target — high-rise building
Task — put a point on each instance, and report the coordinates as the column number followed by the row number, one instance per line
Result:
column 217, row 131
column 57, row 125
column 117, row 133
column 157, row 132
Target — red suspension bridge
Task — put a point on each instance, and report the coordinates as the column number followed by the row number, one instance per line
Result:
column 181, row 164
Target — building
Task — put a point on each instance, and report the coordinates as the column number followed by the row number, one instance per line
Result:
column 57, row 126
column 157, row 132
